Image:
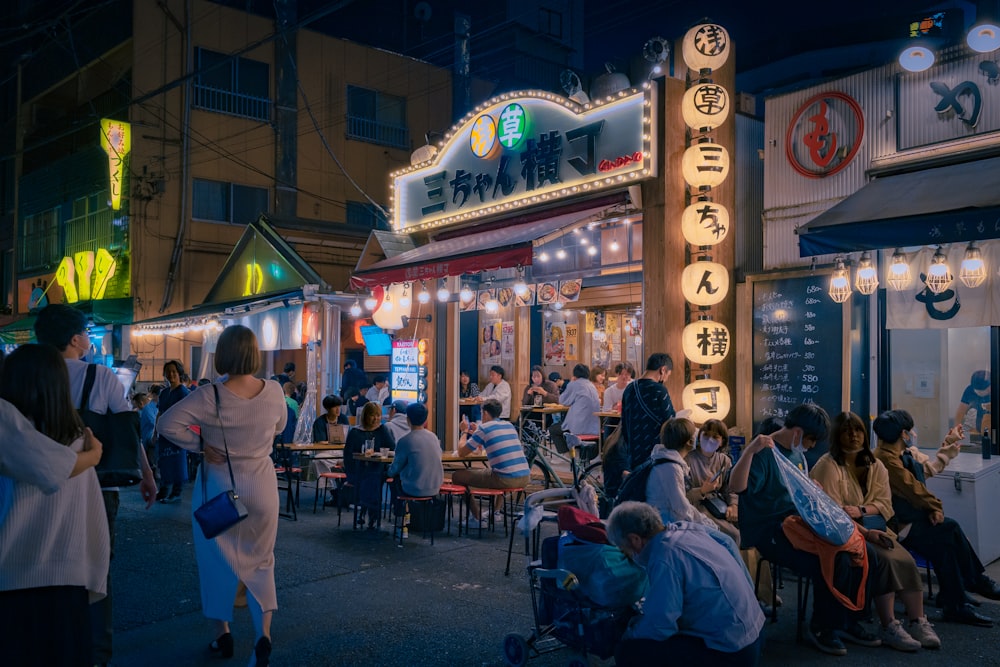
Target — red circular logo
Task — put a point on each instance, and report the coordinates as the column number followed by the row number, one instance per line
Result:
column 824, row 135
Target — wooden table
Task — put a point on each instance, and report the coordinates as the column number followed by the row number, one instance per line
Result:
column 468, row 401
column 545, row 410
column 286, row 451
column 604, row 416
column 446, row 457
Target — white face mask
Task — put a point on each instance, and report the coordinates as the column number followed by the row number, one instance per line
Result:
column 709, row 445
column 912, row 440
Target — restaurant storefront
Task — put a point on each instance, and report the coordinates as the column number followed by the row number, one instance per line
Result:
column 896, row 193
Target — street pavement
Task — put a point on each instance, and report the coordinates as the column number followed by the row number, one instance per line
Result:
column 355, row 598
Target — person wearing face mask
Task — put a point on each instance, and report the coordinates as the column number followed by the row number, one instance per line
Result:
column 764, row 504
column 709, row 474
column 975, row 397
column 666, row 487
column 646, row 406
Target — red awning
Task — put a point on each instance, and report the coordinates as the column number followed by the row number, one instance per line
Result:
column 501, row 247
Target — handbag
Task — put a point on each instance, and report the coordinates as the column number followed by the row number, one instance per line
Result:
column 225, row 510
column 121, row 459
column 873, row 522
column 716, row 506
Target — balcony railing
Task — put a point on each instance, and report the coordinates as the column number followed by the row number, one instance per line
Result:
column 366, row 129
column 228, row 102
column 39, row 250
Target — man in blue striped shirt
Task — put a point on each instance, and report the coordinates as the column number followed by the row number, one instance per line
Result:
column 508, row 467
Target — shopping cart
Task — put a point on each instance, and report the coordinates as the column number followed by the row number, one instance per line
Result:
column 564, row 617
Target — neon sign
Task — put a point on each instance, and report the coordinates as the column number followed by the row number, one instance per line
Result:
column 116, row 140
column 255, row 279
column 85, row 275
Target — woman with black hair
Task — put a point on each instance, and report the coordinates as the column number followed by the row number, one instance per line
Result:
column 851, row 475
column 172, row 459
column 54, row 544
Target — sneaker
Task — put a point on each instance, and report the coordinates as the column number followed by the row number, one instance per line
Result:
column 894, row 636
column 858, row 634
column 826, row 640
column 922, row 630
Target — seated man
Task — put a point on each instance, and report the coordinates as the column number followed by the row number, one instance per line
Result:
column 416, row 469
column 398, row 424
column 765, row 503
column 508, row 467
column 921, row 524
column 700, row 607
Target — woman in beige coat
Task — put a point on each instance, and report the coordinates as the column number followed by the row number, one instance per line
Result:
column 252, row 411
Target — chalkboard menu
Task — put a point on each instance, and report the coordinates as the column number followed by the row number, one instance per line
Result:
column 798, row 344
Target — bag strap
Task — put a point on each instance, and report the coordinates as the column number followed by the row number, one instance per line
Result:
column 642, row 403
column 88, row 386
column 204, row 478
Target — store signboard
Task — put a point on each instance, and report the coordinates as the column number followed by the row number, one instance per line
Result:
column 527, row 149
column 408, row 370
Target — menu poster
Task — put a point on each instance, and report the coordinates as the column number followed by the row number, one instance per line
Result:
column 555, row 343
column 528, row 299
column 507, row 341
column 798, row 345
column 490, row 343
column 466, row 306
column 547, row 293
column 486, row 295
column 595, row 321
column 572, row 340
column 569, row 290
column 405, row 378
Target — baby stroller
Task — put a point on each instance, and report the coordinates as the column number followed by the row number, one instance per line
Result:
column 564, row 616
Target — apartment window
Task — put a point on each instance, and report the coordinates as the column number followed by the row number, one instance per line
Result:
column 366, row 214
column 232, row 85
column 550, row 23
column 377, row 117
column 39, row 240
column 218, row 201
column 92, row 225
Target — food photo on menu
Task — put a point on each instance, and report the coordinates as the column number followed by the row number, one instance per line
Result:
column 528, row 299
column 505, row 296
column 569, row 290
column 547, row 293
column 485, row 296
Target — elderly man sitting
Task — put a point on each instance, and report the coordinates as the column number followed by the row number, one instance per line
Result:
column 700, row 607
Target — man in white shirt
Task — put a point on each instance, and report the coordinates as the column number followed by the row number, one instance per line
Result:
column 624, row 373
column 65, row 328
column 497, row 389
column 379, row 391
column 398, row 423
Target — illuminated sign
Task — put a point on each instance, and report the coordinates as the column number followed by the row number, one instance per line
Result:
column 527, row 149
column 85, row 275
column 116, row 140
column 255, row 279
column 824, row 135
column 409, row 370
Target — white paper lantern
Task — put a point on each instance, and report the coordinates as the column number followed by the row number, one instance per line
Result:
column 706, row 342
column 706, row 399
column 705, row 165
column 706, row 46
column 705, row 283
column 705, row 223
column 705, row 106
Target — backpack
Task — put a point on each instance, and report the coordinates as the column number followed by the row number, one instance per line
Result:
column 634, row 486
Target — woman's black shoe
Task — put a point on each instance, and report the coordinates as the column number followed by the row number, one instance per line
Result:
column 262, row 651
column 223, row 645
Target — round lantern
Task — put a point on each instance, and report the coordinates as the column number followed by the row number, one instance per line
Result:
column 706, row 342
column 705, row 283
column 707, row 399
column 705, row 223
column 705, row 106
column 705, row 165
column 706, row 46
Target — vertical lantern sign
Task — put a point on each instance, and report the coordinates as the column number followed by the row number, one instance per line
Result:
column 116, row 140
column 705, row 223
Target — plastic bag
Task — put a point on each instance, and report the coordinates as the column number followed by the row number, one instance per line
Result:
column 607, row 577
column 827, row 519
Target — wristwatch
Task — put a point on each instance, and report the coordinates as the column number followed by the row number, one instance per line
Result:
column 862, row 508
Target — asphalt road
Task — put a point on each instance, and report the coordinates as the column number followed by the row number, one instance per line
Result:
column 354, row 598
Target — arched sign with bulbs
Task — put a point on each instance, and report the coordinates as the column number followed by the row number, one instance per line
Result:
column 705, row 166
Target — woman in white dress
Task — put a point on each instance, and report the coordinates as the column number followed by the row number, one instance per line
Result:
column 253, row 412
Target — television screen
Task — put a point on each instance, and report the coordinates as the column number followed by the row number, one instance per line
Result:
column 377, row 342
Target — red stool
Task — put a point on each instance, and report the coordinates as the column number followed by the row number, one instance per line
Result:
column 485, row 495
column 337, row 477
column 452, row 490
column 399, row 521
column 297, row 477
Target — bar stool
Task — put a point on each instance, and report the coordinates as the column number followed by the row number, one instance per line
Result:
column 452, row 490
column 337, row 477
column 405, row 503
column 484, row 495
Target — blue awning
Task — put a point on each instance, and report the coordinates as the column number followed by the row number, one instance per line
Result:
column 950, row 204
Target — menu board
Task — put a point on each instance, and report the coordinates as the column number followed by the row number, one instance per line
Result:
column 798, row 345
column 408, row 378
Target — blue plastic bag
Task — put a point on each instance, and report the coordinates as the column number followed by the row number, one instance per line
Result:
column 826, row 518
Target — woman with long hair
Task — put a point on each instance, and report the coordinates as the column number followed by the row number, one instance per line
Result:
column 242, row 414
column 54, row 543
column 371, row 434
column 172, row 458
column 851, row 475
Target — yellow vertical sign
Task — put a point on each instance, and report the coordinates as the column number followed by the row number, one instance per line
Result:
column 116, row 140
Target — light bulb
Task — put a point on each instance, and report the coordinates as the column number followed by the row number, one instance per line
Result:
column 443, row 294
column 543, row 257
column 558, row 305
column 387, row 306
column 938, row 274
column 405, row 301
column 840, row 283
column 899, row 272
column 592, row 250
column 356, row 309
column 466, row 294
column 424, row 296
column 614, row 245
column 492, row 306
column 867, row 277
column 973, row 271
column 560, row 254
column 520, row 288
column 370, row 303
